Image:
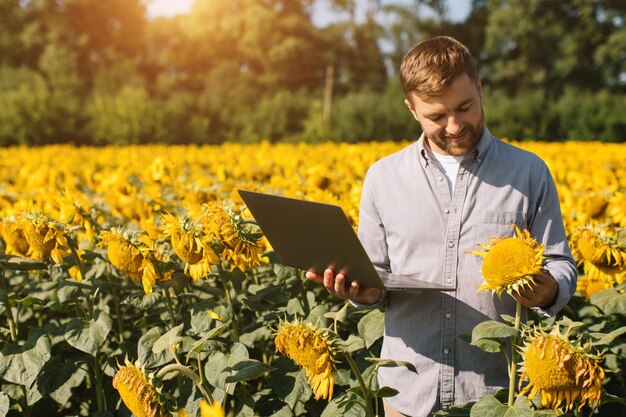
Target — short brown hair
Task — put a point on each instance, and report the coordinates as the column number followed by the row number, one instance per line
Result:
column 431, row 66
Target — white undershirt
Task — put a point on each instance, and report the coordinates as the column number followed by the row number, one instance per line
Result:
column 449, row 164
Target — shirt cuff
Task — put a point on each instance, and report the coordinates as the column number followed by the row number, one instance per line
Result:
column 562, row 298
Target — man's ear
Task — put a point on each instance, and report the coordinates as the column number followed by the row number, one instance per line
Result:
column 411, row 108
column 479, row 85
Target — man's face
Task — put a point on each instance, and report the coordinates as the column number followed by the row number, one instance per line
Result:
column 453, row 120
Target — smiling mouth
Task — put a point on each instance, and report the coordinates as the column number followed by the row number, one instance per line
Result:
column 456, row 137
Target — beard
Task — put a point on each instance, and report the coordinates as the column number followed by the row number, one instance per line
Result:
column 474, row 132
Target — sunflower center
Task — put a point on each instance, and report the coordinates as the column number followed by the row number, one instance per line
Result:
column 550, row 365
column 38, row 236
column 137, row 393
column 507, row 261
column 186, row 248
column 591, row 248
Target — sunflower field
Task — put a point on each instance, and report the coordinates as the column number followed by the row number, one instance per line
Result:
column 134, row 281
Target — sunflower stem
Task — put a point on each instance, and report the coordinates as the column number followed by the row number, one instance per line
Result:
column 365, row 389
column 97, row 373
column 514, row 341
column 24, row 404
column 235, row 317
column 170, row 309
column 8, row 308
column 183, row 370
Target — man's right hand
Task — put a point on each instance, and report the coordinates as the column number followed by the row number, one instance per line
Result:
column 337, row 285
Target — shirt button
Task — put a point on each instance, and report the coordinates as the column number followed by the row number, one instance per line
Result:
column 446, row 351
column 448, row 315
column 440, row 178
column 450, row 244
column 447, row 211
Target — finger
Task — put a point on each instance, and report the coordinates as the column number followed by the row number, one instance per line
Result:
column 329, row 280
column 340, row 286
column 315, row 277
column 353, row 290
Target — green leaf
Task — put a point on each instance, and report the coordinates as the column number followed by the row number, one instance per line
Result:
column 201, row 319
column 489, row 345
column 489, row 406
column 492, row 329
column 21, row 364
column 610, row 301
column 371, row 327
column 301, row 390
column 386, row 392
column 88, row 336
column 353, row 344
column 58, row 377
column 283, row 273
column 197, row 346
column 4, row 404
column 169, row 339
column 246, row 370
column 387, row 363
column 69, row 293
column 609, row 338
column 340, row 315
column 146, row 356
column 143, row 301
column 218, row 362
column 21, row 264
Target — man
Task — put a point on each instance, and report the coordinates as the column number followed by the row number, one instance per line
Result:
column 424, row 208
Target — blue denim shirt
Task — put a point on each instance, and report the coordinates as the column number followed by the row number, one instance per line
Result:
column 410, row 224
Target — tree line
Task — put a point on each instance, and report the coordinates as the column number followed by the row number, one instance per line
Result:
column 101, row 72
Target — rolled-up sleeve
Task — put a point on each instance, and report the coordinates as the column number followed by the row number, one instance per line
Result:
column 372, row 231
column 548, row 226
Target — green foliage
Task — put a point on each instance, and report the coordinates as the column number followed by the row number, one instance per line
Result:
column 94, row 72
column 127, row 117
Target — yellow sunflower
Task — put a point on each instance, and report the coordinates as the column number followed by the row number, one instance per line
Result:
column 617, row 209
column 564, row 372
column 212, row 410
column 243, row 244
column 509, row 263
column 130, row 253
column 72, row 210
column 190, row 244
column 312, row 348
column 45, row 237
column 592, row 205
column 137, row 392
column 14, row 239
column 601, row 253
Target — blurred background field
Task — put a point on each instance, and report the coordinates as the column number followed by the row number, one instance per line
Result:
column 131, row 72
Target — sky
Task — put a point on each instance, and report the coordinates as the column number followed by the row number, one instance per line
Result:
column 322, row 15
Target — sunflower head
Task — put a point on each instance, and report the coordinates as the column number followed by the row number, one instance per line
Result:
column 211, row 410
column 243, row 244
column 130, row 253
column 313, row 349
column 138, row 392
column 509, row 263
column 44, row 236
column 563, row 371
column 191, row 244
column 599, row 245
column 14, row 238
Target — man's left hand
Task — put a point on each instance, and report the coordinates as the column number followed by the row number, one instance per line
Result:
column 540, row 294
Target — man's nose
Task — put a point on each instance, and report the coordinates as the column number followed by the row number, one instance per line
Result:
column 454, row 125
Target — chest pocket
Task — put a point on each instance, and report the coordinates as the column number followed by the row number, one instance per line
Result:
column 498, row 223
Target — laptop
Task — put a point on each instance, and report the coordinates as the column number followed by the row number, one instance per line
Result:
column 314, row 236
